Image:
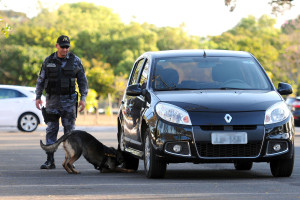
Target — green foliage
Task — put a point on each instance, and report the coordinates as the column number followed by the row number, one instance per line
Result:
column 291, row 25
column 91, row 100
column 5, row 28
column 126, row 64
column 20, row 65
column 175, row 38
column 258, row 37
column 288, row 65
column 100, row 77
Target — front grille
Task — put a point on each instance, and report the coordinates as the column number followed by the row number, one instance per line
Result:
column 228, row 150
column 234, row 127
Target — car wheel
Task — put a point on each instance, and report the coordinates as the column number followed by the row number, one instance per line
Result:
column 283, row 167
column 28, row 122
column 129, row 162
column 242, row 165
column 154, row 168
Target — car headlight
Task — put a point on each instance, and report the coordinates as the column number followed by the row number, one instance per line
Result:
column 276, row 113
column 172, row 114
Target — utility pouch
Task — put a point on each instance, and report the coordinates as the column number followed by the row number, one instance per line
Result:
column 48, row 117
column 44, row 113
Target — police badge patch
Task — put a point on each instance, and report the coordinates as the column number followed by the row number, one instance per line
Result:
column 51, row 65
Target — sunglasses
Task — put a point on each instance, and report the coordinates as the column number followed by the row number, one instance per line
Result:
column 64, row 47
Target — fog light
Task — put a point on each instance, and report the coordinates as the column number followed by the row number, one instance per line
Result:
column 177, row 148
column 277, row 147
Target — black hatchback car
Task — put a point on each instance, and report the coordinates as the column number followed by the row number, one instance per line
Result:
column 204, row 106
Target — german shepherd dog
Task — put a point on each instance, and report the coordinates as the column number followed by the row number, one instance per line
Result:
column 105, row 159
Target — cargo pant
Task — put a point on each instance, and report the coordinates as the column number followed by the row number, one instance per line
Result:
column 64, row 106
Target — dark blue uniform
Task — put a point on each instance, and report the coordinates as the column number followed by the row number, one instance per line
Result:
column 58, row 78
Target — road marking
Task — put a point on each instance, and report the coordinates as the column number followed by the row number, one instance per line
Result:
column 144, row 196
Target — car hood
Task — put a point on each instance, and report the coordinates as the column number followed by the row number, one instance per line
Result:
column 220, row 101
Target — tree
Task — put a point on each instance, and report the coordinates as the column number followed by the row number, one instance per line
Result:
column 277, row 6
column 20, row 65
column 291, row 25
column 91, row 100
column 5, row 28
column 258, row 37
column 100, row 77
column 108, row 48
column 288, row 65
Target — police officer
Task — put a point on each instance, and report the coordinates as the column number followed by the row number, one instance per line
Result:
column 58, row 75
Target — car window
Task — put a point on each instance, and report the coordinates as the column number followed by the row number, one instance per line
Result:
column 136, row 72
column 144, row 76
column 10, row 93
column 184, row 73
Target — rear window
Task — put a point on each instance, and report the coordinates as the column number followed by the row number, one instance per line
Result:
column 10, row 93
column 184, row 73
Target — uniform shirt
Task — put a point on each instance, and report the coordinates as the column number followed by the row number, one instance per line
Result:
column 80, row 76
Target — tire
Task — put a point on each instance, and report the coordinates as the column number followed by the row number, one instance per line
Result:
column 243, row 165
column 129, row 162
column 154, row 168
column 28, row 122
column 283, row 167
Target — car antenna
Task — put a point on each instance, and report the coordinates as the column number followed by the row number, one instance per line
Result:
column 204, row 54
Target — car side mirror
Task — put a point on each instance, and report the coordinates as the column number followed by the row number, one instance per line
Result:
column 284, row 88
column 134, row 90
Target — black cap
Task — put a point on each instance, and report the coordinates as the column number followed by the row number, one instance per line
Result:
column 63, row 40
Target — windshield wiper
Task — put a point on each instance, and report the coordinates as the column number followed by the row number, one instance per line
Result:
column 171, row 89
column 187, row 89
column 222, row 88
column 232, row 88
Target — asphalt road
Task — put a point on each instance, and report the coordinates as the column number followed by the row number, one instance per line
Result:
column 21, row 178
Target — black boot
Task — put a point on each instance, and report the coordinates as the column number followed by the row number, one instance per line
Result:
column 49, row 164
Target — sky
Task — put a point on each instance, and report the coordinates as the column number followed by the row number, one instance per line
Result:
column 201, row 17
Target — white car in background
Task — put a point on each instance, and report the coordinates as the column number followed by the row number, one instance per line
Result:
column 17, row 108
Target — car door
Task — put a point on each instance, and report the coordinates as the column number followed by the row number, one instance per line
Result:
column 11, row 102
column 134, row 106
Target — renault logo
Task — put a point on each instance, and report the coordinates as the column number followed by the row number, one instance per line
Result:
column 228, row 118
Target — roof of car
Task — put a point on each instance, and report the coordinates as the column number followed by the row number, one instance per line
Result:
column 198, row 52
column 16, row 87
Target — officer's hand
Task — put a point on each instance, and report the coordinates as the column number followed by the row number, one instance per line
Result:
column 38, row 104
column 81, row 106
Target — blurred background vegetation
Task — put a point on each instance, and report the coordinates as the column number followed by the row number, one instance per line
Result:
column 108, row 47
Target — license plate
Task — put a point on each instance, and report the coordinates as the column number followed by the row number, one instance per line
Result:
column 229, row 138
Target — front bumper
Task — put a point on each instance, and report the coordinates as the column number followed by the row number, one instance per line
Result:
column 176, row 144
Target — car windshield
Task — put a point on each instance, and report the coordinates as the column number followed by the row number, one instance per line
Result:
column 203, row 73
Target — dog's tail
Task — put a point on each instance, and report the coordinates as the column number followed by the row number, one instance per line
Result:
column 51, row 148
